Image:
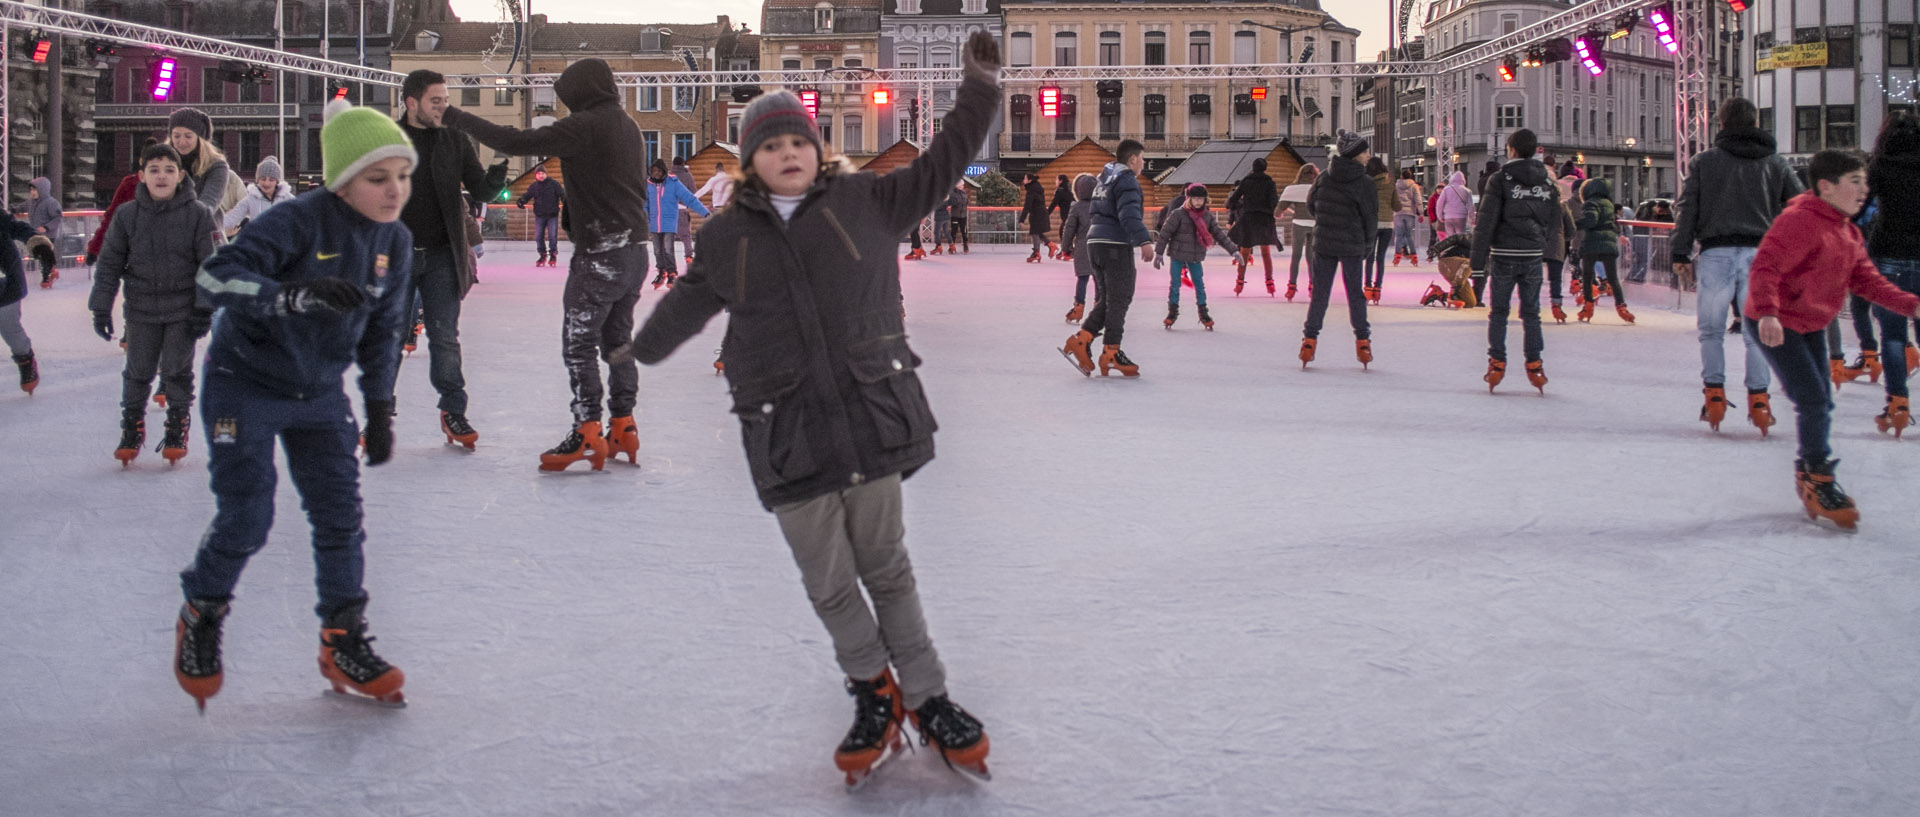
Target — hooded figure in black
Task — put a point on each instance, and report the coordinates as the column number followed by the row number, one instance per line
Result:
column 1251, row 205
column 601, row 154
column 1033, row 213
column 1345, row 206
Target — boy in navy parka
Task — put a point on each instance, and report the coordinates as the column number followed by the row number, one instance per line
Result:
column 314, row 286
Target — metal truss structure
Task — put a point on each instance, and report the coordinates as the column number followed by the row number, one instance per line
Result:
column 1693, row 81
column 1690, row 63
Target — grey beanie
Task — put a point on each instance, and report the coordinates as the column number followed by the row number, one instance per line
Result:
column 775, row 114
column 191, row 119
column 1352, row 144
column 269, row 169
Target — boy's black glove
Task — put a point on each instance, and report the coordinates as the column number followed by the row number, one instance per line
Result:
column 103, row 325
column 325, row 294
column 378, row 434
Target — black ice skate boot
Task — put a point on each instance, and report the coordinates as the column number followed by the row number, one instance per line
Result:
column 1822, row 496
column 1114, row 360
column 959, row 737
column 29, row 372
column 347, row 658
column 876, row 736
column 173, row 438
column 196, row 648
column 133, row 434
column 1173, row 314
column 1206, row 319
column 458, row 430
column 585, row 442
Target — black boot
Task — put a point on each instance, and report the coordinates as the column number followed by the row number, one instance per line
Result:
column 133, row 434
column 1173, row 314
column 958, row 735
column 173, row 440
column 347, row 657
column 1822, row 495
column 877, row 714
column 29, row 372
column 1206, row 319
column 196, row 648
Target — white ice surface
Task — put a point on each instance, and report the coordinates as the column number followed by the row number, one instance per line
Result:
column 1229, row 587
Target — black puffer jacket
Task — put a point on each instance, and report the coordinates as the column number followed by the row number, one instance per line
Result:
column 1520, row 214
column 1895, row 180
column 816, row 354
column 1345, row 207
column 1732, row 194
column 597, row 144
column 154, row 249
column 455, row 165
column 1033, row 212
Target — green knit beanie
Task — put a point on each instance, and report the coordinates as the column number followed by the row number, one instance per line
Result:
column 355, row 138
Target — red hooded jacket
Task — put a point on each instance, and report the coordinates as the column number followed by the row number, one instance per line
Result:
column 1809, row 260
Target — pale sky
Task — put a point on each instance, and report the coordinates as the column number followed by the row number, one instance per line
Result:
column 1370, row 16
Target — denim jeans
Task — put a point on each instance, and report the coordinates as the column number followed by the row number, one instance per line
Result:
column 1376, row 262
column 1905, row 274
column 1403, row 233
column 602, row 289
column 242, row 423
column 546, row 235
column 1801, row 363
column 1721, row 273
column 1508, row 275
column 1554, row 270
column 1199, row 282
column 437, row 288
column 1324, row 267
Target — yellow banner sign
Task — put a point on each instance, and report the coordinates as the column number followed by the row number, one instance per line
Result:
column 1802, row 55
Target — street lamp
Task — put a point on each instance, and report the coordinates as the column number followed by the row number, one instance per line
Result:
column 1293, row 85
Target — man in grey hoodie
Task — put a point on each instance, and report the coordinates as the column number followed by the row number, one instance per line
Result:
column 43, row 215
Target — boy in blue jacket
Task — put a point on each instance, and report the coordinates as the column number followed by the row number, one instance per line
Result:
column 320, row 283
column 665, row 196
column 1119, row 225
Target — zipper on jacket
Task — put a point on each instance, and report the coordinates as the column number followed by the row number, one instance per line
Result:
column 844, row 238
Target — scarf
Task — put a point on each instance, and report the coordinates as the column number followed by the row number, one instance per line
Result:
column 1200, row 227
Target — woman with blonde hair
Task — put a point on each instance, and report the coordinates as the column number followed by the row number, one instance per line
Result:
column 190, row 132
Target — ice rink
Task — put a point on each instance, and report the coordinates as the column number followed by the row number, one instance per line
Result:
column 1230, row 587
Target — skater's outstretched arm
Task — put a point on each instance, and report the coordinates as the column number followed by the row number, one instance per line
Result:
column 908, row 194
column 685, row 311
column 562, row 138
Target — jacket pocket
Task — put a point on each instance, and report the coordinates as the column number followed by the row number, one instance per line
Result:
column 884, row 368
column 773, row 429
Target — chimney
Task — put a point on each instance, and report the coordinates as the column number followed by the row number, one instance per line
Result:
column 426, row 40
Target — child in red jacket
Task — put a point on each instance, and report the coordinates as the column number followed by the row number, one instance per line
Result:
column 1809, row 260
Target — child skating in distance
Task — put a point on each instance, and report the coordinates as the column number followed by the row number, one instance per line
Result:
column 1073, row 233
column 1809, row 260
column 153, row 250
column 313, row 286
column 831, row 411
column 1185, row 236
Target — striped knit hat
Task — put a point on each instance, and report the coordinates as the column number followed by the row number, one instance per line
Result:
column 775, row 114
column 354, row 139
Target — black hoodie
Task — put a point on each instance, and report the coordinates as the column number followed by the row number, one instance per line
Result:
column 1345, row 206
column 1732, row 193
column 1519, row 213
column 1034, row 210
column 599, row 148
column 1895, row 180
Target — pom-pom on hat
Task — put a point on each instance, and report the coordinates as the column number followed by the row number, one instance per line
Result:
column 355, row 138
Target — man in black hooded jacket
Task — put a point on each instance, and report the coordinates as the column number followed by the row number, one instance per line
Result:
column 600, row 152
column 1730, row 199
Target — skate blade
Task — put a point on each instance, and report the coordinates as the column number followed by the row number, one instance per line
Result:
column 857, row 778
column 1075, row 363
column 392, row 700
column 977, row 771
